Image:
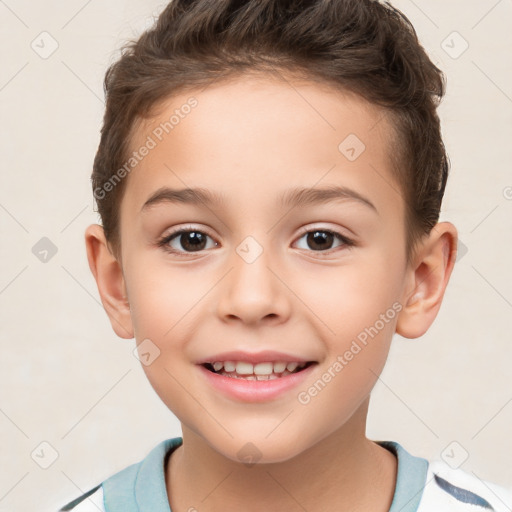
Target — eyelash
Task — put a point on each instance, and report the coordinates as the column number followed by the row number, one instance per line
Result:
column 164, row 241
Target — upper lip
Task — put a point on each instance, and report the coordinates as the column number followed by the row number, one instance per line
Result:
column 254, row 357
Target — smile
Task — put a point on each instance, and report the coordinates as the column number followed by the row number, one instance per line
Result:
column 260, row 371
column 260, row 382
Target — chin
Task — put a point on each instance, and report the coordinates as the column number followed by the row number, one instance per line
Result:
column 259, row 450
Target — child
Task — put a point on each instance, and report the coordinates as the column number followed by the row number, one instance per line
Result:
column 240, row 137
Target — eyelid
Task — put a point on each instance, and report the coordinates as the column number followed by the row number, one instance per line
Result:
column 314, row 227
column 164, row 240
column 347, row 241
column 188, row 227
column 342, row 229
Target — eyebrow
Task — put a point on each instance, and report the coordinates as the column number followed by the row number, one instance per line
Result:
column 184, row 195
column 312, row 196
column 292, row 198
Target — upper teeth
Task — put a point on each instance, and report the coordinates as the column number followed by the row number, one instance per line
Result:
column 243, row 368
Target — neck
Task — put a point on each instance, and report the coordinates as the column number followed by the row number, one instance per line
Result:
column 343, row 471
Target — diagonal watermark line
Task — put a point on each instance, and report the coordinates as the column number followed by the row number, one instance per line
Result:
column 74, row 218
column 280, row 423
column 203, row 203
column 81, row 491
column 215, row 488
column 83, row 82
column 285, row 490
column 403, row 403
column 425, row 14
column 118, row 381
column 492, row 81
column 82, row 286
column 286, row 213
column 493, row 287
column 13, row 13
column 14, row 76
column 197, row 302
column 386, row 181
column 423, row 280
column 406, row 504
column 485, row 15
column 199, row 403
column 381, row 117
column 14, row 218
column 76, row 14
column 15, row 424
column 481, row 222
column 485, row 483
column 492, row 418
column 301, row 300
column 92, row 297
column 14, row 485
column 13, row 279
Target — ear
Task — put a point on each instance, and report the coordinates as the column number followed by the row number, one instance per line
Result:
column 110, row 280
column 428, row 276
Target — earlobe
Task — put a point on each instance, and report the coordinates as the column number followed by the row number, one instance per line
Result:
column 110, row 281
column 427, row 281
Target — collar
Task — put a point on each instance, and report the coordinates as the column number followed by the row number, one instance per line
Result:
column 141, row 487
column 410, row 479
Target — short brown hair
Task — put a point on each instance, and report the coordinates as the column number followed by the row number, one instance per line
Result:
column 366, row 47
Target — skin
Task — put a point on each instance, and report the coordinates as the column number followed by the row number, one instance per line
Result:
column 252, row 139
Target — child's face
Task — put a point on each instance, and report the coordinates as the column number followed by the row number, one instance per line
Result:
column 266, row 286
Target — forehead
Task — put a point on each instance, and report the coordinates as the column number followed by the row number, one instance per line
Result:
column 251, row 139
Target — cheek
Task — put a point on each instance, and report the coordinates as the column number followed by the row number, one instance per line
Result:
column 165, row 311
column 164, row 300
column 355, row 308
column 350, row 298
column 168, row 309
column 358, row 316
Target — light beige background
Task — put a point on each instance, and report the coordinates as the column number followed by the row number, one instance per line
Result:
column 68, row 381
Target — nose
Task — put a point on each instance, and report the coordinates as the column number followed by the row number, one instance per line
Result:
column 253, row 292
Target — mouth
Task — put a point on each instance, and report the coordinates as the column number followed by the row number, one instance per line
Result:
column 261, row 371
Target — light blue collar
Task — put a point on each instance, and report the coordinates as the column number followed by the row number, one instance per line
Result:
column 141, row 487
column 410, row 479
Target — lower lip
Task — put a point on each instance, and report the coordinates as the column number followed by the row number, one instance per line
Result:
column 256, row 390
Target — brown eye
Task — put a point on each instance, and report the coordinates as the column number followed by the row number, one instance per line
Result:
column 185, row 241
column 192, row 240
column 321, row 240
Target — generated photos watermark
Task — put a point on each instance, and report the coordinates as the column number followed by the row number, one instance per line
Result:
column 304, row 397
column 152, row 140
